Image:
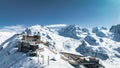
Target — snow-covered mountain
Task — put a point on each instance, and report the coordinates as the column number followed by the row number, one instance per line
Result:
column 73, row 31
column 101, row 43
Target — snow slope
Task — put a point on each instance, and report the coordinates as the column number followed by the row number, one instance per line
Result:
column 101, row 43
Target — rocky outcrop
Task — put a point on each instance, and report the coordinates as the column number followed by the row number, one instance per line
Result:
column 98, row 31
column 115, row 30
column 99, row 52
column 91, row 40
column 73, row 31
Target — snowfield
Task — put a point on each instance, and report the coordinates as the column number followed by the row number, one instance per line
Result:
column 5, row 35
column 101, row 43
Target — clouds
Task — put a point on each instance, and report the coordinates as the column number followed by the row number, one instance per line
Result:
column 15, row 28
column 57, row 25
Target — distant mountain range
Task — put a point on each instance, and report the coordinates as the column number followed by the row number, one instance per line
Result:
column 101, row 43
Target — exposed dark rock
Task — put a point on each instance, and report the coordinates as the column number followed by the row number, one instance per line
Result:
column 115, row 29
column 91, row 40
column 89, row 51
column 116, row 32
column 98, row 32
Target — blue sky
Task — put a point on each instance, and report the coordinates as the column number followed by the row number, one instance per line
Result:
column 86, row 13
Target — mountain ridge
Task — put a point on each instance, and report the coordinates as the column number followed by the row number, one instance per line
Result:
column 100, row 42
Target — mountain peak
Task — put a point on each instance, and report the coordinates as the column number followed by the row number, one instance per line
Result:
column 115, row 29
